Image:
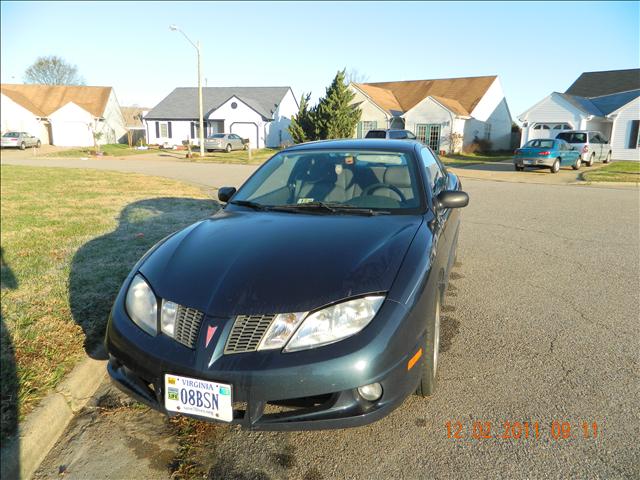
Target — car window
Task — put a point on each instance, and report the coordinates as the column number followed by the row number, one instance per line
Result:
column 573, row 137
column 11, row 135
column 376, row 134
column 354, row 178
column 595, row 138
column 217, row 135
column 545, row 143
column 398, row 135
column 437, row 176
column 410, row 135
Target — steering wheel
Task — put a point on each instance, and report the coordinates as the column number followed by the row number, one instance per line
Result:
column 377, row 186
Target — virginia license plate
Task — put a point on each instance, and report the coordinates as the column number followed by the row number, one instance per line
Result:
column 198, row 397
column 528, row 162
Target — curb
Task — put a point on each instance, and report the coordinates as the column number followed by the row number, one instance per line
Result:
column 41, row 429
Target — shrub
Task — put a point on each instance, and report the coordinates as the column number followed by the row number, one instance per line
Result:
column 479, row 145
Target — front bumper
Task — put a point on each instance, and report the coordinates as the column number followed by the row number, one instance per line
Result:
column 307, row 390
column 533, row 162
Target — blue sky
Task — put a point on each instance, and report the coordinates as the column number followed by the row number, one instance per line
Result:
column 535, row 48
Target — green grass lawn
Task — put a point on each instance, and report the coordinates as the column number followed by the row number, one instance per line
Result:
column 622, row 171
column 465, row 159
column 69, row 238
column 109, row 150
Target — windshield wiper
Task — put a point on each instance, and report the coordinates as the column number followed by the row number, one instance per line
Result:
column 329, row 207
column 247, row 203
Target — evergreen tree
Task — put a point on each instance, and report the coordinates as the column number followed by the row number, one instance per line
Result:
column 301, row 127
column 334, row 116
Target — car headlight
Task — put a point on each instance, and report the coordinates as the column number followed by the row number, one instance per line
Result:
column 335, row 323
column 142, row 305
column 168, row 315
column 280, row 330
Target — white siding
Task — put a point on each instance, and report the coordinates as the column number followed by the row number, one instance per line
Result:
column 428, row 111
column 14, row 117
column 114, row 121
column 278, row 130
column 621, row 133
column 370, row 111
column 552, row 109
column 180, row 131
column 71, row 126
column 243, row 121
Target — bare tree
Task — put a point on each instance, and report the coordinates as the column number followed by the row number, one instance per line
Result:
column 52, row 70
column 353, row 75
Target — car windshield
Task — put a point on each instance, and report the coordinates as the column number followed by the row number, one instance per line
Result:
column 376, row 134
column 539, row 144
column 217, row 135
column 11, row 134
column 342, row 180
column 572, row 137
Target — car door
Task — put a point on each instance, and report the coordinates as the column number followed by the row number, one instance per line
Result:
column 236, row 141
column 595, row 145
column 444, row 225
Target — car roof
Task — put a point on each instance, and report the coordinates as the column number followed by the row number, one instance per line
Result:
column 577, row 131
column 358, row 144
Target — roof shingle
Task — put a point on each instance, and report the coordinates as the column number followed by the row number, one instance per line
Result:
column 43, row 100
column 596, row 84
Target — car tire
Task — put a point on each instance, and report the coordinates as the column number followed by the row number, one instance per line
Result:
column 23, row 146
column 592, row 159
column 38, row 144
column 245, row 147
column 518, row 168
column 578, row 164
column 228, row 148
column 555, row 168
column 428, row 379
column 209, row 150
column 608, row 158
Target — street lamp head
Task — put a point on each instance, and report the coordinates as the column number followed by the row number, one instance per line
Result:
column 173, row 28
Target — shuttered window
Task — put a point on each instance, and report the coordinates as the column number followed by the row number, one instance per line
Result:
column 157, row 129
column 634, row 138
column 169, row 127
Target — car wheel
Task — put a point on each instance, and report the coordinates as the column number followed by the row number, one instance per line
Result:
column 608, row 159
column 245, row 147
column 577, row 165
column 518, row 168
column 428, row 381
column 228, row 148
column 209, row 150
column 38, row 144
column 592, row 159
column 555, row 168
column 23, row 146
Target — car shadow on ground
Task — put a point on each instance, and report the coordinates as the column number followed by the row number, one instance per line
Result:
column 9, row 388
column 100, row 266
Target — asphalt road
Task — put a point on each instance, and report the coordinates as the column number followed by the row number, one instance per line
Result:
column 541, row 324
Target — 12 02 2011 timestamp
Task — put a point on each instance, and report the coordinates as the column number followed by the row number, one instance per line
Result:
column 509, row 430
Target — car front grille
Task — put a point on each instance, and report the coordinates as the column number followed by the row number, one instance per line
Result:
column 247, row 332
column 188, row 322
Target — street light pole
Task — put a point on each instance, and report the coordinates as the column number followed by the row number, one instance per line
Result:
column 200, row 112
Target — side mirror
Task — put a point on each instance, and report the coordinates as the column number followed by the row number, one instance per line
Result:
column 225, row 193
column 452, row 199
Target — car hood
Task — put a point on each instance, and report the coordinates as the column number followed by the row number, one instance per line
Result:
column 244, row 262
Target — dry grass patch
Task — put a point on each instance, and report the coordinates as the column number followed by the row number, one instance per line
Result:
column 69, row 238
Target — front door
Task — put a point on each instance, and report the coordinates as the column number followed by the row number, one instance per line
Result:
column 429, row 134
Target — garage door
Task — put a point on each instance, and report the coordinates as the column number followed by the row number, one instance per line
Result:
column 246, row 130
column 71, row 134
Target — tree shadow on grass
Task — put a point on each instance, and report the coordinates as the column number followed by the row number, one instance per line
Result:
column 9, row 385
column 100, row 266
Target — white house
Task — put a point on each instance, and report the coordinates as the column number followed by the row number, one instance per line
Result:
column 62, row 115
column 260, row 114
column 447, row 114
column 606, row 101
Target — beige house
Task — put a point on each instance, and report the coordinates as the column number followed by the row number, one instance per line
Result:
column 447, row 114
column 62, row 115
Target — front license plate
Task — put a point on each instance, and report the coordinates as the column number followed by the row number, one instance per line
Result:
column 528, row 162
column 198, row 397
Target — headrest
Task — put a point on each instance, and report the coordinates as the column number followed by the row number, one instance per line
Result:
column 318, row 170
column 398, row 176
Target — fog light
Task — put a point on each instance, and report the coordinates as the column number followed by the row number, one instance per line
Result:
column 371, row 392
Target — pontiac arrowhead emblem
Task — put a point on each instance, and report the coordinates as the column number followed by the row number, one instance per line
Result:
column 210, row 331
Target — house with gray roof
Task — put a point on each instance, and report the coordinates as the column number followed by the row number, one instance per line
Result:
column 260, row 114
column 607, row 101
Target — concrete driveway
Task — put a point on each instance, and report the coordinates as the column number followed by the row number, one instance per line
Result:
column 540, row 326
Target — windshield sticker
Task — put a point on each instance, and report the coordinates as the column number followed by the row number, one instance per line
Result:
column 305, row 200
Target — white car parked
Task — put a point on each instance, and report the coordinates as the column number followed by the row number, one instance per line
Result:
column 593, row 146
column 19, row 140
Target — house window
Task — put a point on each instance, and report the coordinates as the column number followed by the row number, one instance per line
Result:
column 487, row 131
column 164, row 130
column 541, row 126
column 634, row 137
column 364, row 127
column 429, row 134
